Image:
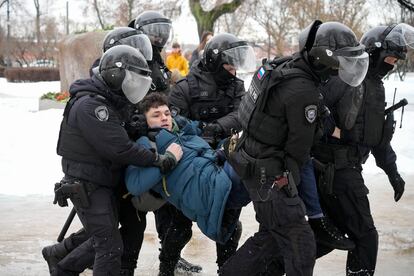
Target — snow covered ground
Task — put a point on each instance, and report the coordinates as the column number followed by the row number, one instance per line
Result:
column 29, row 167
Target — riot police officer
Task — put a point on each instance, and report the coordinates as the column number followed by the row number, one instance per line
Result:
column 94, row 148
column 159, row 30
column 278, row 116
column 211, row 94
column 360, row 126
column 132, row 227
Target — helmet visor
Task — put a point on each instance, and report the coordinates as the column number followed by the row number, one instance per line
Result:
column 241, row 57
column 140, row 42
column 159, row 33
column 401, row 35
column 135, row 86
column 352, row 70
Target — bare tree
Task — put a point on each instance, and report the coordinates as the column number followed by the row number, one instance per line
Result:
column 37, row 20
column 235, row 22
column 352, row 13
column 98, row 14
column 205, row 19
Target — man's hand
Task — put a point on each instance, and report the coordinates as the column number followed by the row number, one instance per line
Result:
column 213, row 129
column 136, row 126
column 167, row 162
column 176, row 150
column 337, row 133
column 398, row 185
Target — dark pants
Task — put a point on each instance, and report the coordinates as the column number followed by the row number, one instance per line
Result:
column 350, row 211
column 100, row 221
column 132, row 232
column 284, row 243
column 174, row 230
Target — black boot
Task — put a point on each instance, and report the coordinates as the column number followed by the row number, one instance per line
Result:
column 53, row 254
column 327, row 234
column 166, row 269
column 126, row 272
column 185, row 265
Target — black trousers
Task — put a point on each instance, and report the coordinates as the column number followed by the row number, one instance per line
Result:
column 104, row 246
column 132, row 229
column 174, row 230
column 349, row 209
column 283, row 244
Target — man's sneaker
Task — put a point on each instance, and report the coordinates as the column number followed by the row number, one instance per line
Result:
column 186, row 266
column 327, row 234
column 53, row 254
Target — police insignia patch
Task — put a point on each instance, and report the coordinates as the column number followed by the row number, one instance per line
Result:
column 175, row 111
column 310, row 113
column 102, row 113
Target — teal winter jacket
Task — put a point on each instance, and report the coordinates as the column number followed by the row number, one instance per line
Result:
column 197, row 186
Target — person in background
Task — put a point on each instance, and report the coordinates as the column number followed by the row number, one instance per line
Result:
column 188, row 54
column 176, row 60
column 197, row 53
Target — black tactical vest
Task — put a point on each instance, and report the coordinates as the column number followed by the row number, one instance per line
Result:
column 208, row 103
column 252, row 117
column 71, row 144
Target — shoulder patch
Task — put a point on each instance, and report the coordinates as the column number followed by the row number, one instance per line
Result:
column 311, row 113
column 260, row 73
column 102, row 113
column 174, row 111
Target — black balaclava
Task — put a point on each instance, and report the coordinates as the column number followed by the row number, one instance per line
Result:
column 377, row 66
column 223, row 77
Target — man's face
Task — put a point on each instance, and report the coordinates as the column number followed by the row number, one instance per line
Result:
column 391, row 60
column 230, row 68
column 159, row 117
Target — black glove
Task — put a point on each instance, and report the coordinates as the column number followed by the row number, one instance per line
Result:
column 136, row 126
column 166, row 162
column 398, row 185
column 211, row 132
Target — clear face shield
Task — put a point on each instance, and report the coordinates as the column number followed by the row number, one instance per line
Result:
column 140, row 42
column 136, row 84
column 352, row 69
column 399, row 39
column 241, row 57
column 159, row 33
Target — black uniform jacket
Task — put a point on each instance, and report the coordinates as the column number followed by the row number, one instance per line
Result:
column 203, row 100
column 292, row 105
column 92, row 141
column 351, row 111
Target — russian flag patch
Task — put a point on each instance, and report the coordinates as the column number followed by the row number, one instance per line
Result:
column 260, row 73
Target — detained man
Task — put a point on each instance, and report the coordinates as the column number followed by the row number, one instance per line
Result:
column 205, row 192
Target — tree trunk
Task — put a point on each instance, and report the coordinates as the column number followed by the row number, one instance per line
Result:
column 98, row 14
column 37, row 20
column 205, row 20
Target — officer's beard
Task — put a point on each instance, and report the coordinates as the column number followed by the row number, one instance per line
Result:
column 223, row 77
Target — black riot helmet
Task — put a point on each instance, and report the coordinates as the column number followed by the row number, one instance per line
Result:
column 131, row 37
column 385, row 41
column 124, row 68
column 226, row 48
column 155, row 25
column 332, row 48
